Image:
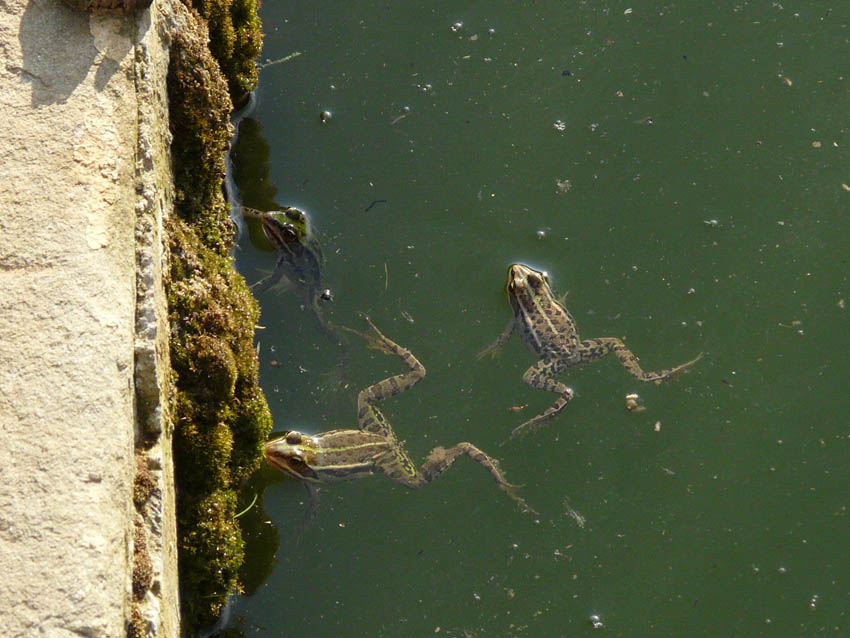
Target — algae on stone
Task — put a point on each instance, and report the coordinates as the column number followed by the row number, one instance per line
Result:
column 235, row 41
column 221, row 418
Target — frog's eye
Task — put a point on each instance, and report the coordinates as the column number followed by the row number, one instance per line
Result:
column 294, row 214
column 293, row 438
column 534, row 280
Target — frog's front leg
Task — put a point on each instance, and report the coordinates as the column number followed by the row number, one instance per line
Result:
column 267, row 282
column 593, row 349
column 441, row 459
column 542, row 376
column 494, row 348
column 311, row 512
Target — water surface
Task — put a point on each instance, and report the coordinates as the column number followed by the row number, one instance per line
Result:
column 680, row 172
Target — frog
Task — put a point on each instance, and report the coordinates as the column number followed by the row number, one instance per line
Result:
column 548, row 329
column 298, row 257
column 373, row 448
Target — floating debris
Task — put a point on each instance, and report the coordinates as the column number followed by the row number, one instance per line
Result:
column 595, row 620
column 325, row 116
column 813, row 602
column 404, row 113
column 376, row 201
column 564, row 185
column 633, row 403
column 286, row 58
column 574, row 514
column 560, row 125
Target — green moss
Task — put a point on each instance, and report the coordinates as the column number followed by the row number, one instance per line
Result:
column 199, row 110
column 236, row 39
column 221, row 418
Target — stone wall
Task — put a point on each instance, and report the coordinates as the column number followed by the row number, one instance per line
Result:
column 86, row 187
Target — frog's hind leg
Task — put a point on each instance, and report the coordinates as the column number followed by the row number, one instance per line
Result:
column 441, row 459
column 400, row 382
column 368, row 414
column 541, row 375
column 593, row 349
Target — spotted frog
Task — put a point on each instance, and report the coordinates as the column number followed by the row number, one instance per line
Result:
column 372, row 448
column 548, row 329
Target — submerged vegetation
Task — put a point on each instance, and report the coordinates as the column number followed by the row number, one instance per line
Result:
column 221, row 419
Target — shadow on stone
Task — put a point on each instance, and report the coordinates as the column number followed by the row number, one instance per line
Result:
column 59, row 47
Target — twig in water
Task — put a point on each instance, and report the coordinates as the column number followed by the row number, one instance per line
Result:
column 247, row 508
column 287, row 58
column 377, row 201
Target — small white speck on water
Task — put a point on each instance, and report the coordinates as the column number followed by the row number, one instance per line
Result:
column 813, row 602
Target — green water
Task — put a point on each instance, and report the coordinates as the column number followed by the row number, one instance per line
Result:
column 692, row 202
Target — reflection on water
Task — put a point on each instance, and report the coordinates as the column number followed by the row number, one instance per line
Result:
column 636, row 156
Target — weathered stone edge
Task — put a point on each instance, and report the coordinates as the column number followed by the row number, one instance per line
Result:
column 155, row 608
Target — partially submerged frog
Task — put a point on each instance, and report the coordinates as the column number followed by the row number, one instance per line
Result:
column 349, row 454
column 298, row 256
column 547, row 328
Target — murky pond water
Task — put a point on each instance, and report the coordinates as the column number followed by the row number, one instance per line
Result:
column 681, row 172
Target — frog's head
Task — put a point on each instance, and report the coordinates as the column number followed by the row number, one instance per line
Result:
column 293, row 454
column 286, row 227
column 526, row 284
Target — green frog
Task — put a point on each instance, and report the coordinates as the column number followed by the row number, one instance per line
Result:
column 548, row 328
column 299, row 256
column 373, row 448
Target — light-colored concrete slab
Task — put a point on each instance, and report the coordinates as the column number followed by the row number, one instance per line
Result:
column 69, row 146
